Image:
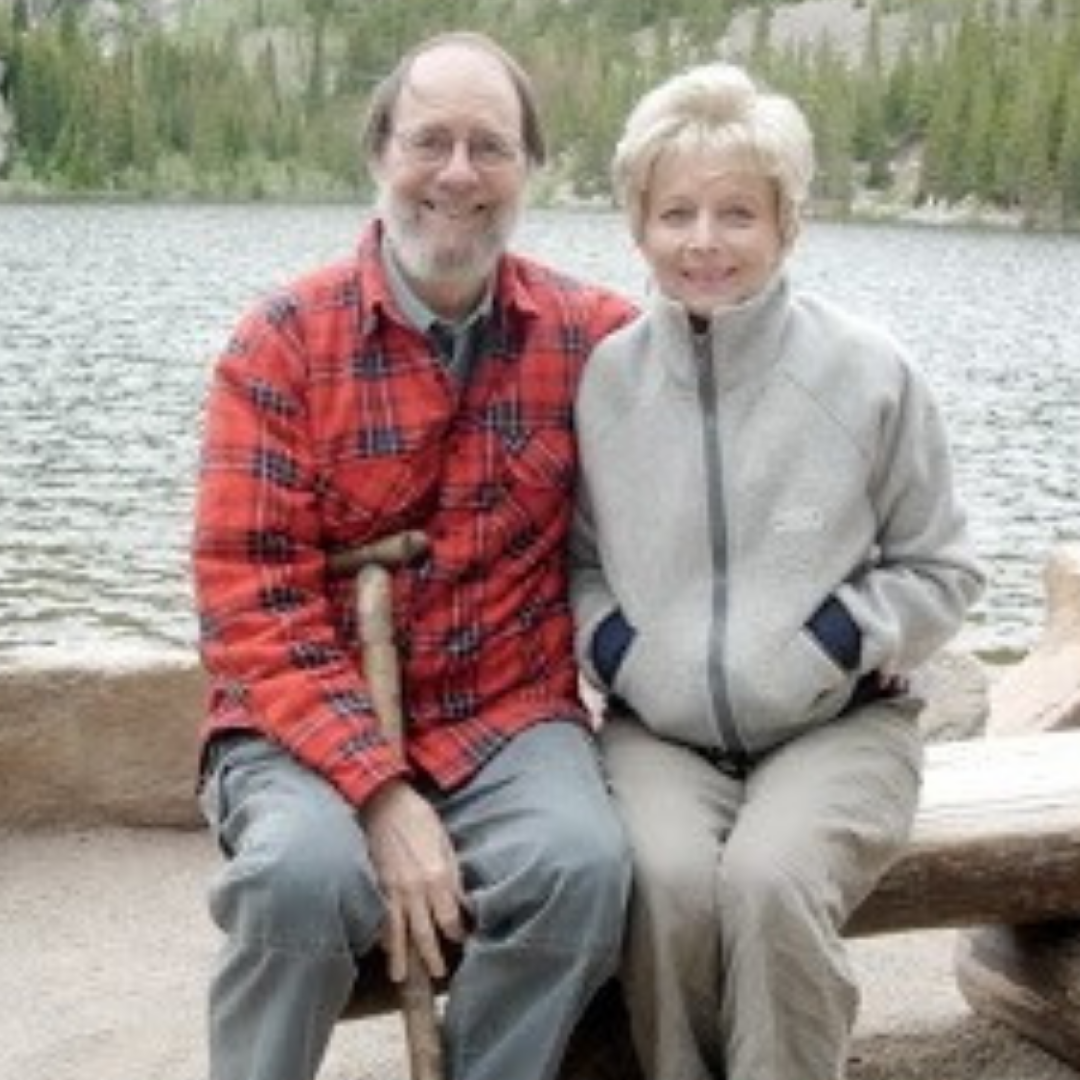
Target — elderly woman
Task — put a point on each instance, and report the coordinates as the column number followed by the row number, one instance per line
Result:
column 768, row 542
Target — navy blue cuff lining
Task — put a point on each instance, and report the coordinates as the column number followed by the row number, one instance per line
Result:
column 837, row 633
column 610, row 641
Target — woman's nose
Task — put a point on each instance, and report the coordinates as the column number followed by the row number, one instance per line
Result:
column 704, row 233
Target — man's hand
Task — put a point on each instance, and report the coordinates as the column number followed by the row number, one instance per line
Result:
column 419, row 874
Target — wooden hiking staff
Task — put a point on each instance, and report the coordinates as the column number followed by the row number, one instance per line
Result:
column 373, row 565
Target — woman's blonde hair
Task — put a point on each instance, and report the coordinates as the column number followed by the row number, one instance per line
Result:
column 716, row 107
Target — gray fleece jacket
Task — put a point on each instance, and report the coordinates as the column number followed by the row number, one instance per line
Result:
column 766, row 515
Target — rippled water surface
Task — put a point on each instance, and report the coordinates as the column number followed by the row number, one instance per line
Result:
column 110, row 318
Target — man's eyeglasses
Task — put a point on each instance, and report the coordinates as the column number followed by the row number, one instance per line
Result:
column 433, row 147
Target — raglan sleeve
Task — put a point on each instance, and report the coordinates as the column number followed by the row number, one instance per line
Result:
column 916, row 593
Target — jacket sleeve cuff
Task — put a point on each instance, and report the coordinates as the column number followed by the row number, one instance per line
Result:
column 838, row 634
column 360, row 778
column 608, row 648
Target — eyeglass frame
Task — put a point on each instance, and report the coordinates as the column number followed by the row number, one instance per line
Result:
column 433, row 146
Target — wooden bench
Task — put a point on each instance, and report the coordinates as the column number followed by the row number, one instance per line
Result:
column 996, row 840
column 1026, row 974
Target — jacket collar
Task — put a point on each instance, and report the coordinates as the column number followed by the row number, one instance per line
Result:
column 740, row 342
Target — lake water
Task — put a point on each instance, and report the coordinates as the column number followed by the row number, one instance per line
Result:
column 110, row 317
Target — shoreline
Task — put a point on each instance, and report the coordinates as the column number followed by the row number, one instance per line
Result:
column 865, row 210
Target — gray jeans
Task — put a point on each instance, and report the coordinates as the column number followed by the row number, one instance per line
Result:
column 735, row 965
column 547, row 873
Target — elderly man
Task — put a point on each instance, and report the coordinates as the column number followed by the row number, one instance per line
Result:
column 425, row 384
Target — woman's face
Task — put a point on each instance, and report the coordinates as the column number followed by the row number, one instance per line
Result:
column 711, row 232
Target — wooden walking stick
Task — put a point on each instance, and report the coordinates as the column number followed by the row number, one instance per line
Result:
column 372, row 565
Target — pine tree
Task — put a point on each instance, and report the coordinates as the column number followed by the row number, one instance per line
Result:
column 870, row 141
column 987, row 88
column 832, row 117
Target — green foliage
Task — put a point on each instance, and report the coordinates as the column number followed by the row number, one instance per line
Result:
column 262, row 98
column 998, row 131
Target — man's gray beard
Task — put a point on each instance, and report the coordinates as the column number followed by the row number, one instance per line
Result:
column 464, row 266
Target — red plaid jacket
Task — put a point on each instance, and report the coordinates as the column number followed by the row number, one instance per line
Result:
column 330, row 423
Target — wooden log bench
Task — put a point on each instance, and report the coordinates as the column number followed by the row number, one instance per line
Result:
column 1026, row 973
column 996, row 840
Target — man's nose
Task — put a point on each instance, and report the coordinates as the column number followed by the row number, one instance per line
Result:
column 459, row 162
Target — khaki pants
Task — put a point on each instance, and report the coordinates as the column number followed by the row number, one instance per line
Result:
column 734, row 965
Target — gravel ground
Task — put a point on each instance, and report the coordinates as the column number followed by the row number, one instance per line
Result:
column 105, row 948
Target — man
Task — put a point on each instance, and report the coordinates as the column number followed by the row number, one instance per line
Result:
column 426, row 384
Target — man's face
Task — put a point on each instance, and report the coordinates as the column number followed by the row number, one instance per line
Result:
column 453, row 173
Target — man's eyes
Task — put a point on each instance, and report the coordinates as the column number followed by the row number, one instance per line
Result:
column 435, row 146
column 435, row 142
column 491, row 149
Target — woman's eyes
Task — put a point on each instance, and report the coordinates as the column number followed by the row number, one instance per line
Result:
column 738, row 214
column 674, row 214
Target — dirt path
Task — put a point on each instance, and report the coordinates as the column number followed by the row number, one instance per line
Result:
column 105, row 949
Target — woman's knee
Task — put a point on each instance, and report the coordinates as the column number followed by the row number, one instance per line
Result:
column 673, row 873
column 769, row 886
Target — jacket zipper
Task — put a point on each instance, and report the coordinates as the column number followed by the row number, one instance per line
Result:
column 731, row 741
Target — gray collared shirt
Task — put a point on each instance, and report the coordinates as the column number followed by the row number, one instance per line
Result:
column 458, row 344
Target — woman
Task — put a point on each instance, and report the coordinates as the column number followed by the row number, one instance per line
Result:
column 768, row 543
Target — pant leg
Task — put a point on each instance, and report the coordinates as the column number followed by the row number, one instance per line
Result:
column 297, row 902
column 823, row 819
column 678, row 810
column 546, row 871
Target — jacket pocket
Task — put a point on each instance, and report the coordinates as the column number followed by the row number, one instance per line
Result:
column 800, row 687
column 378, row 494
column 665, row 687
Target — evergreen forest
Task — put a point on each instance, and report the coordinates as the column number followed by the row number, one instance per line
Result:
column 976, row 102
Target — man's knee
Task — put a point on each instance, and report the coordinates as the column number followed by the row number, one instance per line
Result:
column 584, row 872
column 294, row 890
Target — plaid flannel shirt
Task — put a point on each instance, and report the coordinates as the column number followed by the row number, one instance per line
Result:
column 330, row 423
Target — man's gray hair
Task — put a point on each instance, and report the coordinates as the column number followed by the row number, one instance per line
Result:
column 379, row 122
